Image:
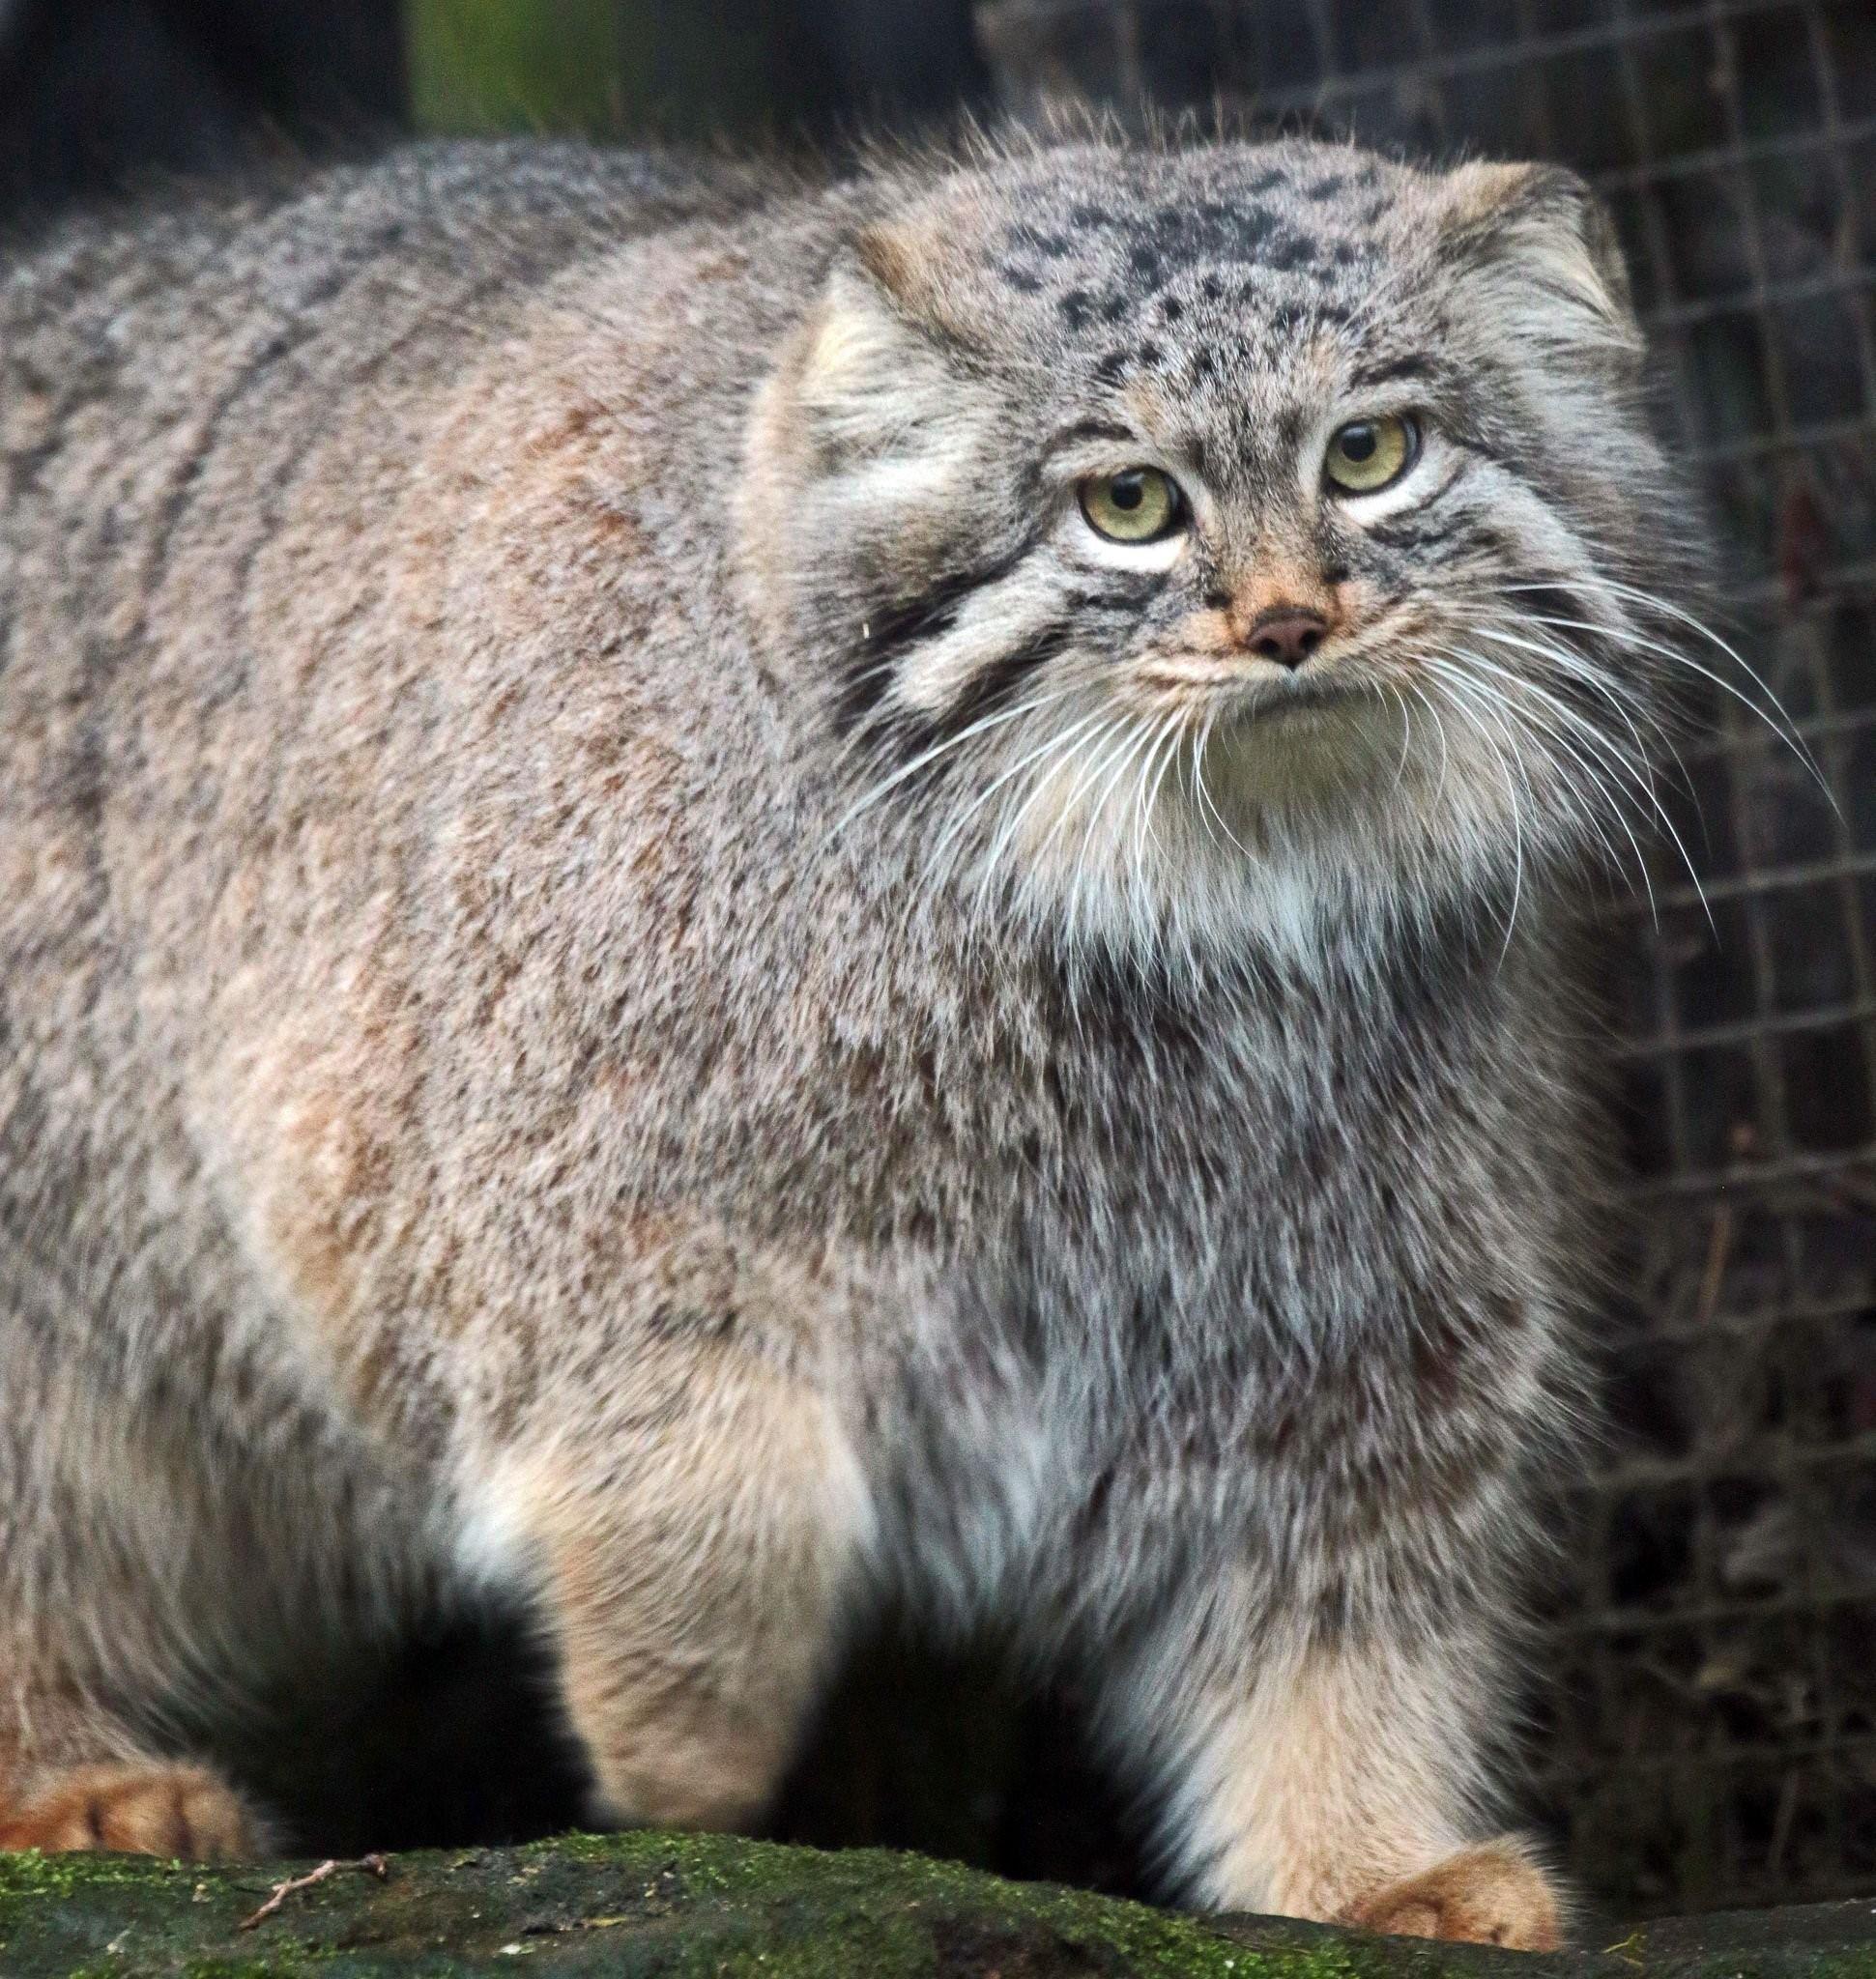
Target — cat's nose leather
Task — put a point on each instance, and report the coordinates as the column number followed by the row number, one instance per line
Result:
column 1285, row 634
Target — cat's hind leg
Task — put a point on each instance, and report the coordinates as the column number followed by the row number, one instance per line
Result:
column 73, row 1620
column 150, row 1806
column 72, row 1775
column 1494, row 1893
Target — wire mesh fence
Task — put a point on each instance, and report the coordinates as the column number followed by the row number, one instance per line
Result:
column 1713, row 1740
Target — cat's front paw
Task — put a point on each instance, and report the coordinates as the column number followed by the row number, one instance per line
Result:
column 1491, row 1894
column 150, row 1810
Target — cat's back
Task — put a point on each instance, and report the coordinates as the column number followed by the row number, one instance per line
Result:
column 312, row 603
column 150, row 359
column 234, row 437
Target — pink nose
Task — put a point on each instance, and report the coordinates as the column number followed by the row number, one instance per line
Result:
column 1288, row 636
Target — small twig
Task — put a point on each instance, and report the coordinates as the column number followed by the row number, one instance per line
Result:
column 372, row 1865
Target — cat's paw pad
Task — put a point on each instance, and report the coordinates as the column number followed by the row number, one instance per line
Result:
column 156, row 1810
column 1491, row 1894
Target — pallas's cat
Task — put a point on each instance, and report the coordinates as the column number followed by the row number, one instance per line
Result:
column 718, row 898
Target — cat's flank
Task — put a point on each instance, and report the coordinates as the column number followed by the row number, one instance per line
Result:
column 716, row 897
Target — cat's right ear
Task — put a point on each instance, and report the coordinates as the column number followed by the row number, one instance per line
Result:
column 875, row 363
column 867, row 443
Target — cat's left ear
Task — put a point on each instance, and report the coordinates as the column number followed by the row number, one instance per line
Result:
column 1546, row 252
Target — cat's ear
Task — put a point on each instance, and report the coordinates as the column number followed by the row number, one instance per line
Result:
column 868, row 441
column 1543, row 247
column 878, row 358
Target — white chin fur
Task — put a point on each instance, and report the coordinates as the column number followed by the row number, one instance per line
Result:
column 1300, row 839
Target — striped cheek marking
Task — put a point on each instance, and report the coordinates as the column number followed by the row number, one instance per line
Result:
column 962, row 649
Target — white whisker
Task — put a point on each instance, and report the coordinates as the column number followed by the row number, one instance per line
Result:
column 1788, row 735
column 1115, row 725
column 1060, row 745
column 1204, row 789
column 872, row 796
column 1460, row 707
column 961, row 823
column 1572, row 664
column 1143, row 737
column 1152, row 776
column 1123, row 759
column 1606, row 752
column 1439, row 728
column 1407, row 738
column 1611, row 796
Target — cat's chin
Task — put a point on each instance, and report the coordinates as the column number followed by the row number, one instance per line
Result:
column 1304, row 745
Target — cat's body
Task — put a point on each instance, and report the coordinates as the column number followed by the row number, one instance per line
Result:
column 509, row 1077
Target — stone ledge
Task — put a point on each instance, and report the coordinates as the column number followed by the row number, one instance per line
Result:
column 684, row 1906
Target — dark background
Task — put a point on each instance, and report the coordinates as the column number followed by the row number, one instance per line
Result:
column 1711, row 1737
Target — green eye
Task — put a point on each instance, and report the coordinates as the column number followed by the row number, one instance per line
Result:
column 1139, row 505
column 1367, row 454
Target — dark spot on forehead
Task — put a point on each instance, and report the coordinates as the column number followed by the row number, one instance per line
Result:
column 1289, row 252
column 1116, row 305
column 1204, row 364
column 1050, row 246
column 1211, row 288
column 1258, row 223
column 1149, row 353
column 1327, row 187
column 1375, row 211
column 1171, row 308
column 1164, row 240
column 1109, row 366
column 1024, row 279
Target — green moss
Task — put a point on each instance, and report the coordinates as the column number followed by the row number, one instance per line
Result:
column 31, row 1878
column 872, row 1911
column 657, row 1906
column 33, row 1874
column 270, row 1965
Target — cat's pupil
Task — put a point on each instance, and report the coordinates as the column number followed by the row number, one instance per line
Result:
column 1128, row 491
column 1358, row 442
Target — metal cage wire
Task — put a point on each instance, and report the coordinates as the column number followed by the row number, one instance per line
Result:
column 1713, row 1739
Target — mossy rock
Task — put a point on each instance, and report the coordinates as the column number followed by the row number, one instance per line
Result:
column 684, row 1906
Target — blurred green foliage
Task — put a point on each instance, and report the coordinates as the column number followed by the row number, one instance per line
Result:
column 520, row 65
column 668, row 69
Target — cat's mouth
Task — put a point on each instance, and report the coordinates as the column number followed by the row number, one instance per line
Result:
column 1238, row 692
column 1308, row 700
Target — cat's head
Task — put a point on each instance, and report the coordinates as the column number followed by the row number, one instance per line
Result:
column 1189, row 541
